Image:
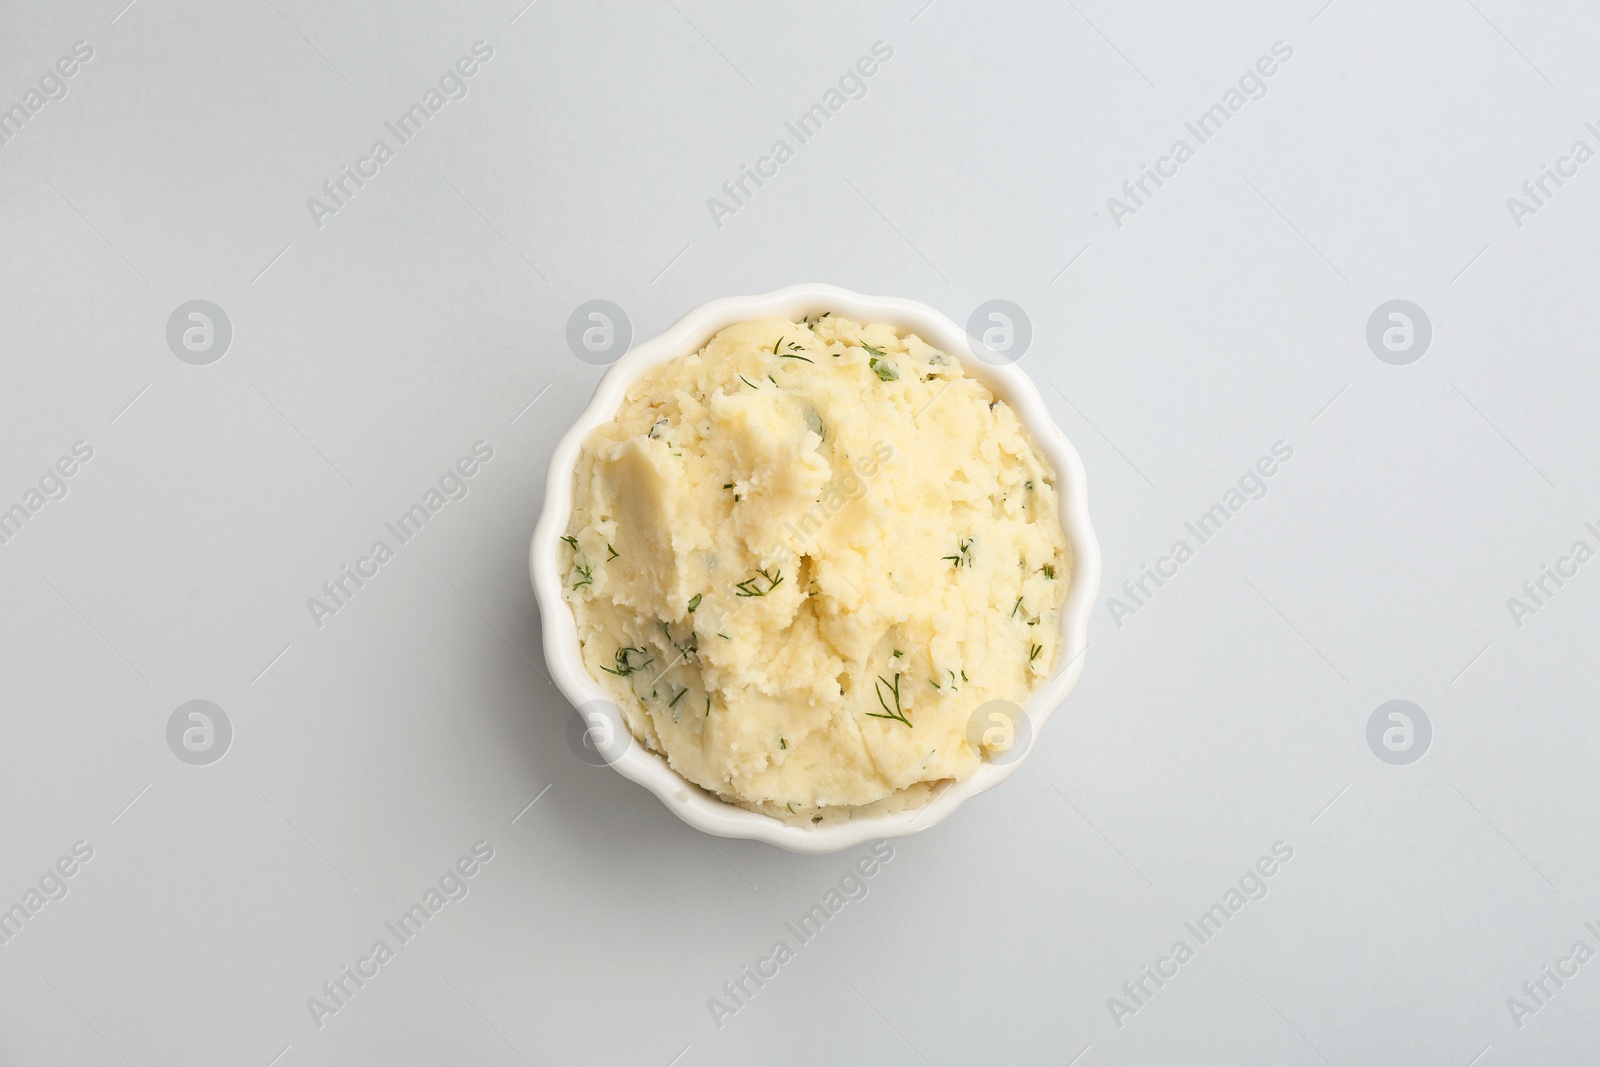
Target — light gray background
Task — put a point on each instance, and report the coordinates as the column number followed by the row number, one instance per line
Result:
column 369, row 354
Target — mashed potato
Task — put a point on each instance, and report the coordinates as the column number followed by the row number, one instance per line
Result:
column 800, row 558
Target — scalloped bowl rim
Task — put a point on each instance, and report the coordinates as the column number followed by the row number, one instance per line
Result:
column 694, row 805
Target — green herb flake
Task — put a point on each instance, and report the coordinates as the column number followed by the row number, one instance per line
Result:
column 694, row 601
column 588, row 577
column 624, row 660
column 751, row 586
column 898, row 714
column 963, row 555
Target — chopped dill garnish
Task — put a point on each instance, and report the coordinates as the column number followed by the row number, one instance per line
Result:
column 573, row 541
column 625, row 664
column 885, row 370
column 963, row 553
column 727, row 485
column 614, row 552
column 782, row 743
column 790, row 806
column 1048, row 571
column 677, row 698
column 898, row 653
column 750, row 586
column 588, row 577
column 786, row 355
column 747, row 381
column 1033, row 653
column 1016, row 606
column 898, row 714
column 775, row 345
column 869, row 348
column 694, row 601
column 686, row 652
column 708, row 705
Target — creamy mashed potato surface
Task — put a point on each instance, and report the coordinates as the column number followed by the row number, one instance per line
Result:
column 802, row 557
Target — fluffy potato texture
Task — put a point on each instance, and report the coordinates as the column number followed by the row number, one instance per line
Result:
column 802, row 557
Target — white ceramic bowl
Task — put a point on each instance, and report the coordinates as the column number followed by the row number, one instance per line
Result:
column 692, row 804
